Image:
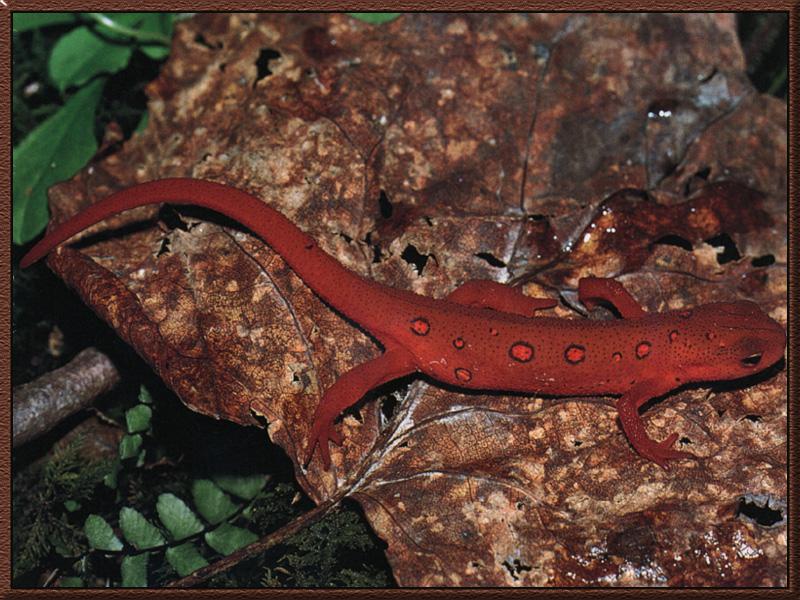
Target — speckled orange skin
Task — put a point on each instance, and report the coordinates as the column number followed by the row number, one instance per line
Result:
column 484, row 335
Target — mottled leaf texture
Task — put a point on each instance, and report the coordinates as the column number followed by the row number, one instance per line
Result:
column 185, row 558
column 437, row 148
column 214, row 504
column 134, row 570
column 138, row 530
column 100, row 534
column 178, row 518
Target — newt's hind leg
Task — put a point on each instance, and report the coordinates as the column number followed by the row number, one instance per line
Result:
column 349, row 389
column 482, row 293
column 628, row 410
column 593, row 289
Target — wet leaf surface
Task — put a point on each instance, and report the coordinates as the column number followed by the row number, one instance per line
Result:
column 432, row 150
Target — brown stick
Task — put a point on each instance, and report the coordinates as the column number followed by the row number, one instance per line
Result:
column 257, row 547
column 44, row 402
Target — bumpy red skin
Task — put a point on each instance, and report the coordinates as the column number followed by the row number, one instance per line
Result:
column 484, row 335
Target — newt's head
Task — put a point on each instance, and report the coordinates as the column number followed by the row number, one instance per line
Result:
column 725, row 340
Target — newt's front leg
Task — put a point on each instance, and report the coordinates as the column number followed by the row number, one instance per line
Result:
column 628, row 409
column 592, row 289
column 482, row 293
column 348, row 390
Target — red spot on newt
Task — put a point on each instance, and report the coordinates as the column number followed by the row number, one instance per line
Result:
column 643, row 349
column 458, row 343
column 673, row 335
column 493, row 331
column 616, row 357
column 575, row 354
column 521, row 351
column 463, row 374
column 420, row 326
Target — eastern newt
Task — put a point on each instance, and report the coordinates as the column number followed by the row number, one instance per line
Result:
column 484, row 335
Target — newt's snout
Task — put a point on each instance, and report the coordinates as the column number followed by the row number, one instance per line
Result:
column 748, row 339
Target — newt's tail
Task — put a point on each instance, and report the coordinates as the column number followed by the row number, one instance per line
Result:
column 340, row 287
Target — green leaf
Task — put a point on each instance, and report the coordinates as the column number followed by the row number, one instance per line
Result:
column 110, row 480
column 27, row 21
column 185, row 559
column 228, row 538
column 375, row 18
column 178, row 518
column 134, row 570
column 72, row 505
column 138, row 418
column 52, row 152
column 144, row 394
column 71, row 582
column 100, row 534
column 157, row 23
column 139, row 531
column 81, row 54
column 214, row 504
column 244, row 486
column 129, row 445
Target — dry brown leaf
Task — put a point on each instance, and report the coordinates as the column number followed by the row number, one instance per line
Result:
column 437, row 149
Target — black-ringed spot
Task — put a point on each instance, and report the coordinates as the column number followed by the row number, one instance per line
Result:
column 420, row 326
column 616, row 357
column 643, row 349
column 574, row 354
column 521, row 351
column 463, row 374
column 459, row 343
column 673, row 335
column 493, row 331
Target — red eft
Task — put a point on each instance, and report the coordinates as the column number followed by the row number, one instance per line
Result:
column 484, row 335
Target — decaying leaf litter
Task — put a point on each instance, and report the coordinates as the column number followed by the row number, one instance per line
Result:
column 436, row 149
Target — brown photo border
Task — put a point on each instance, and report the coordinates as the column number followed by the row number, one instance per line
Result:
column 6, row 8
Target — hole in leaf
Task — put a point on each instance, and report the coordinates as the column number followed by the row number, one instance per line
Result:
column 763, row 261
column 754, row 418
column 262, row 62
column 346, row 237
column 536, row 217
column 730, row 251
column 164, row 249
column 388, row 406
column 491, row 259
column 674, row 240
column 763, row 510
column 577, row 443
column 413, row 257
column 685, row 440
column 385, row 205
column 703, row 173
column 201, row 39
column 515, row 568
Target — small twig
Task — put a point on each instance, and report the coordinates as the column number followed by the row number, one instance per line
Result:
column 50, row 578
column 43, row 403
column 257, row 547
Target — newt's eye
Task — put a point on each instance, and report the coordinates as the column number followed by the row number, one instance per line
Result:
column 752, row 360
